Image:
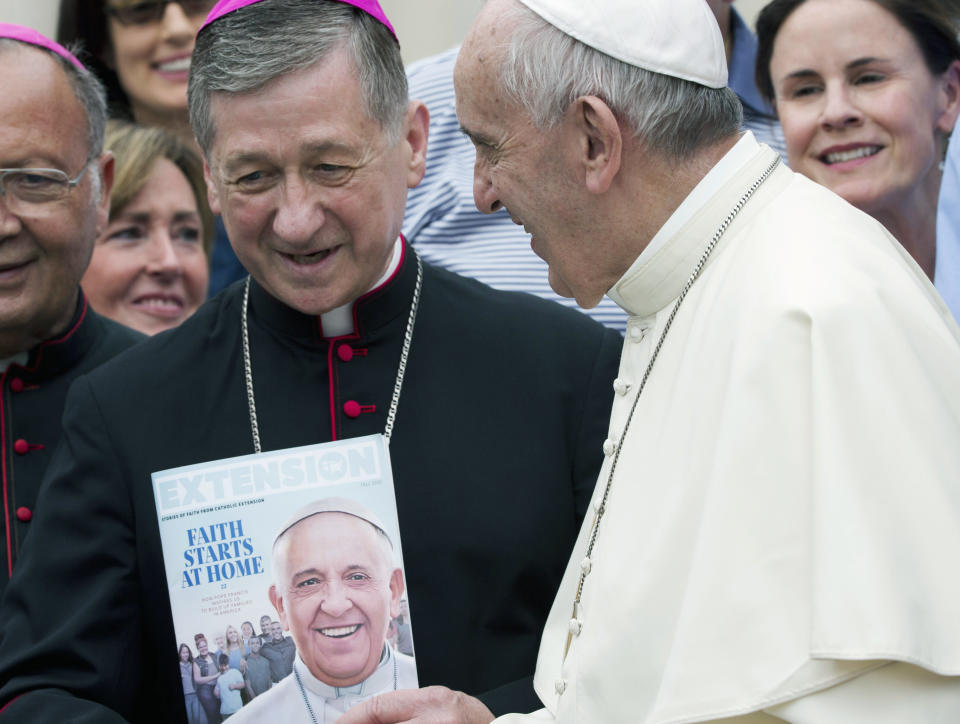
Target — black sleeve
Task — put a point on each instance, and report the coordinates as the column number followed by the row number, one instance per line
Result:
column 519, row 696
column 596, row 419
column 70, row 644
column 516, row 697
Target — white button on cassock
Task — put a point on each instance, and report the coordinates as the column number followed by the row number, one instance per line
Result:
column 609, row 447
column 636, row 334
column 560, row 686
column 585, row 565
column 621, row 387
column 575, row 626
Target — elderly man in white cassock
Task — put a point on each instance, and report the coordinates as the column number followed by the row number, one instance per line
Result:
column 776, row 526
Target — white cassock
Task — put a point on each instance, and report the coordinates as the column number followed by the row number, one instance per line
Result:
column 283, row 703
column 781, row 538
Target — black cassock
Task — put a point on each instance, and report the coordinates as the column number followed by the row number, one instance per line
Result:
column 33, row 395
column 496, row 448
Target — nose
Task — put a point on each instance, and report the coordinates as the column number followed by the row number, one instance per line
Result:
column 163, row 260
column 176, row 26
column 10, row 223
column 839, row 109
column 298, row 216
column 484, row 195
column 336, row 602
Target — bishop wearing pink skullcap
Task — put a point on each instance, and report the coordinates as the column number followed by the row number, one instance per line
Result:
column 55, row 181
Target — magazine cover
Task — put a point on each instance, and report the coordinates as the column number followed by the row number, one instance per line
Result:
column 286, row 582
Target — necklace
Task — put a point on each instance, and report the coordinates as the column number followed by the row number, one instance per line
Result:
column 401, row 368
column 586, row 564
column 306, row 701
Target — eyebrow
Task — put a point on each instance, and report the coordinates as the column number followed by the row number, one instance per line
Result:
column 143, row 217
column 315, row 572
column 231, row 164
column 852, row 65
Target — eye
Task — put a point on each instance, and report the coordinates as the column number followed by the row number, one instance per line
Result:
column 869, row 77
column 357, row 577
column 129, row 233
column 255, row 181
column 308, row 582
column 330, row 173
column 805, row 91
column 187, row 234
column 34, row 181
column 35, row 184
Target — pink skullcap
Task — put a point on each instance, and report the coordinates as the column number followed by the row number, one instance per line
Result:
column 370, row 7
column 32, row 37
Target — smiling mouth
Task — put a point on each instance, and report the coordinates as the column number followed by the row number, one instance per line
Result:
column 306, row 259
column 15, row 266
column 174, row 66
column 340, row 632
column 159, row 303
column 852, row 155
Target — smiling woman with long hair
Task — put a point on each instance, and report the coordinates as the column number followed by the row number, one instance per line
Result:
column 867, row 92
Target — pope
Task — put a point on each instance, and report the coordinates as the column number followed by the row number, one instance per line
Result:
column 774, row 531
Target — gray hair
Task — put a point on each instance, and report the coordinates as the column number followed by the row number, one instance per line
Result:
column 545, row 70
column 86, row 87
column 243, row 51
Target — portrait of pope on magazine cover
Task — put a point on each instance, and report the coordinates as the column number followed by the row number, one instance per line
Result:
column 336, row 589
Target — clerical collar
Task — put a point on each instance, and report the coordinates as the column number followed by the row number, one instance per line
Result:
column 339, row 322
column 19, row 359
column 722, row 173
column 382, row 679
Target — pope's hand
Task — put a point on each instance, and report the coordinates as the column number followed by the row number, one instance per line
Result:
column 432, row 705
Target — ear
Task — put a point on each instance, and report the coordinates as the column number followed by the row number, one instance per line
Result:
column 417, row 129
column 949, row 98
column 277, row 600
column 396, row 592
column 105, row 168
column 600, row 142
column 213, row 195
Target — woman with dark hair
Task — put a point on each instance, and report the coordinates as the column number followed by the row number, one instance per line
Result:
column 867, row 92
column 141, row 50
column 188, row 668
column 205, row 675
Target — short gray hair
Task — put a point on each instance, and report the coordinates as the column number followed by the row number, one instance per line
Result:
column 244, row 50
column 545, row 70
column 87, row 89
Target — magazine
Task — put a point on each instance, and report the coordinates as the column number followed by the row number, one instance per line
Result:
column 286, row 562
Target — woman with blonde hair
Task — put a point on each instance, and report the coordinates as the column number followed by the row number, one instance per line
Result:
column 150, row 266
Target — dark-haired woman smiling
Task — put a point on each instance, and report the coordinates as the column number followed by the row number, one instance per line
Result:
column 141, row 50
column 867, row 92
